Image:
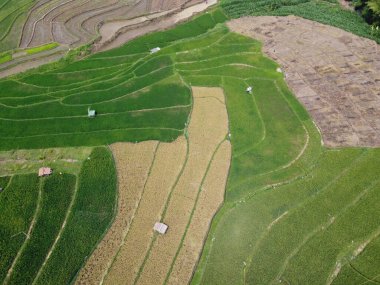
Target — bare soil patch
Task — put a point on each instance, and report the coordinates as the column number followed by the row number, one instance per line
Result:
column 133, row 162
column 335, row 74
column 124, row 31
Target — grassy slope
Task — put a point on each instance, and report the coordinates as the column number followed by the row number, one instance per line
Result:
column 327, row 12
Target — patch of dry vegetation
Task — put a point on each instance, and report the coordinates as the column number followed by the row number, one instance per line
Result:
column 133, row 162
column 208, row 127
column 181, row 184
column 210, row 199
column 168, row 163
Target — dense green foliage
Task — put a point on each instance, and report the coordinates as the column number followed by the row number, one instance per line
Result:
column 370, row 11
column 18, row 202
column 327, row 12
column 57, row 194
column 90, row 216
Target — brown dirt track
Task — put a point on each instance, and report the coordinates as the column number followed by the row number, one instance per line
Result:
column 335, row 74
column 182, row 184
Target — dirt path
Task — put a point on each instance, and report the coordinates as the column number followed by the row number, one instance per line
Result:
column 335, row 74
column 184, row 187
column 32, row 61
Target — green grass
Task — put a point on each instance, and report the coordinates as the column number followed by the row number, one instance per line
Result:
column 91, row 215
column 5, row 57
column 38, row 49
column 18, row 203
column 57, row 194
column 293, row 208
column 137, row 96
column 324, row 11
column 4, row 180
column 67, row 160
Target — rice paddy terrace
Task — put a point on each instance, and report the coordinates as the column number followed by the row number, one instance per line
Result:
column 294, row 211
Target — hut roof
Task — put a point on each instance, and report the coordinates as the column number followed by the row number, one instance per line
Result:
column 160, row 227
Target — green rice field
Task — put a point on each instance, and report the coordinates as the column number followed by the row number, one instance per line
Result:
column 47, row 222
column 295, row 212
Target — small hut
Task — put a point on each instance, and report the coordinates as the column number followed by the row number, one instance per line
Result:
column 249, row 90
column 44, row 171
column 160, row 227
column 91, row 113
column 154, row 50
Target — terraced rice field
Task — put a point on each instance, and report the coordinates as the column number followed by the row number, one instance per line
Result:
column 294, row 211
column 180, row 183
column 12, row 16
column 45, row 221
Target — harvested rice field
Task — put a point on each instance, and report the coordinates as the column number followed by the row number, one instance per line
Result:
column 181, row 184
column 250, row 189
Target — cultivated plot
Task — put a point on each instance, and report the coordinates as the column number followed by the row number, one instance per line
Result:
column 333, row 73
column 181, row 184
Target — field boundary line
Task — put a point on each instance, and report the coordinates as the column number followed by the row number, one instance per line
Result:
column 290, row 163
column 109, row 130
column 29, row 233
column 133, row 215
column 172, row 188
column 335, row 273
column 244, row 151
column 192, row 211
column 63, row 227
column 100, row 115
column 117, row 85
column 302, row 203
column 324, row 226
column 214, row 57
column 108, row 227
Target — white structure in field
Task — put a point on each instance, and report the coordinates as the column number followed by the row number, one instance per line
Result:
column 279, row 70
column 154, row 50
column 249, row 89
column 91, row 113
column 160, row 227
